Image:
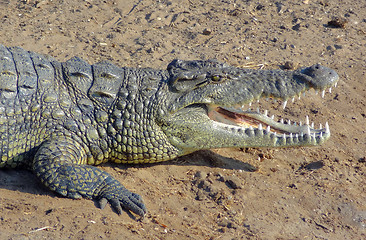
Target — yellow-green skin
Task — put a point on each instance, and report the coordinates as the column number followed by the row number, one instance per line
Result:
column 57, row 119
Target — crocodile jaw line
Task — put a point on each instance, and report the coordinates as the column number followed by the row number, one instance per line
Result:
column 256, row 124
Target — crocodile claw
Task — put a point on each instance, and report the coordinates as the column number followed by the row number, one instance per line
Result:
column 121, row 198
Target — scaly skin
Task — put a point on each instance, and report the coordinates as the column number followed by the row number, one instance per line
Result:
column 58, row 118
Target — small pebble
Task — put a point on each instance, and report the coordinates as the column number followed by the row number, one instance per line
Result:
column 207, row 31
column 338, row 22
column 233, row 182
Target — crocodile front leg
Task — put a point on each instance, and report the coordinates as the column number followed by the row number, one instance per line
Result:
column 58, row 165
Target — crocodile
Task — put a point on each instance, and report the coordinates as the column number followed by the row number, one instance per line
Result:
column 60, row 119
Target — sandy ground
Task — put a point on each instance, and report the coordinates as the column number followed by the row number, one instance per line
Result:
column 299, row 193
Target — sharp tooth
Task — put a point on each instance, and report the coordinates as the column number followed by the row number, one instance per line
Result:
column 272, row 117
column 257, row 100
column 243, row 106
column 293, row 99
column 330, row 90
column 290, row 135
column 299, row 96
column 250, row 104
column 320, row 126
column 313, row 135
column 300, row 123
column 308, row 130
column 321, row 134
column 265, row 113
column 335, row 85
column 289, row 122
column 297, row 135
column 257, row 109
column 268, row 129
column 284, row 104
column 312, row 125
column 327, row 130
column 323, row 93
column 260, row 127
column 307, row 120
column 282, row 121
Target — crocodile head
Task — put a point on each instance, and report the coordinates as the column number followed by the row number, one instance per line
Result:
column 205, row 108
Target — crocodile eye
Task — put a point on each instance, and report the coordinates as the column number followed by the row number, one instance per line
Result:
column 216, row 78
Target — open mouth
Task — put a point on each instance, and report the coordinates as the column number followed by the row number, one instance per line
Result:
column 259, row 123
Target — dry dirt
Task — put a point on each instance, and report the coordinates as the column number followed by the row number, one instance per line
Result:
column 298, row 193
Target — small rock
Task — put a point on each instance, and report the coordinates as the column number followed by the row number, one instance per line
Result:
column 338, row 46
column 233, row 182
column 296, row 27
column 207, row 31
column 289, row 65
column 338, row 22
column 314, row 165
column 292, row 185
column 329, row 48
column 259, row 7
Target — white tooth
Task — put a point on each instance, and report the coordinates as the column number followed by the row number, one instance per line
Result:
column 289, row 122
column 250, row 127
column 265, row 112
column 250, row 104
column 320, row 126
column 257, row 100
column 327, row 130
column 300, row 123
column 268, row 129
column 284, row 104
column 257, row 110
column 330, row 90
column 260, row 127
column 323, row 93
column 293, row 99
column 313, row 135
column 297, row 135
column 307, row 120
column 335, row 85
column 290, row 135
column 308, row 130
column 312, row 125
column 299, row 96
column 284, row 136
column 321, row 134
column 282, row 120
column 272, row 117
column 243, row 106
